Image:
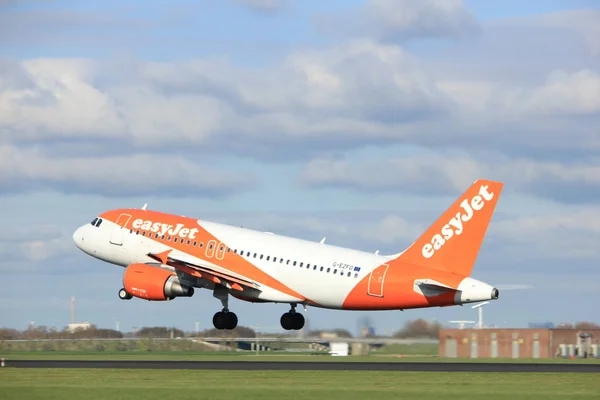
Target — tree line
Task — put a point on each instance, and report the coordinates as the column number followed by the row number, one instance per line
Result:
column 419, row 328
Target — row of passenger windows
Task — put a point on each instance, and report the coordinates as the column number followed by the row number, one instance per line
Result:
column 222, row 249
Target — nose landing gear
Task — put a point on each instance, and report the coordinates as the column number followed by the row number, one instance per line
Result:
column 123, row 295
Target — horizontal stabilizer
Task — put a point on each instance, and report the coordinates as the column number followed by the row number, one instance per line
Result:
column 430, row 288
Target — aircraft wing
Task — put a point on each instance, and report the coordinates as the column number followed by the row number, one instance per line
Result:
column 200, row 268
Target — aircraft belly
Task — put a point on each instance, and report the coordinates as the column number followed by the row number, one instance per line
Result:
column 276, row 296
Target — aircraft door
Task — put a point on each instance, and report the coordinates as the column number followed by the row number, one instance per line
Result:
column 116, row 236
column 376, row 280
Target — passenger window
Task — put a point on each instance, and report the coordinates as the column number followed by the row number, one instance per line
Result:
column 328, row 269
column 254, row 255
column 294, row 263
column 349, row 273
column 314, row 267
column 321, row 269
column 301, row 264
column 195, row 243
column 175, row 240
column 268, row 258
column 261, row 256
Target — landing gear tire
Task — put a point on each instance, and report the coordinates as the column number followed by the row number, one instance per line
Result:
column 123, row 295
column 225, row 320
column 292, row 321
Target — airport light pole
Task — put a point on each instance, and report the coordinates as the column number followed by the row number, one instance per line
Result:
column 480, row 310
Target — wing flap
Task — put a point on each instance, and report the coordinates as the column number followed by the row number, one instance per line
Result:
column 203, row 269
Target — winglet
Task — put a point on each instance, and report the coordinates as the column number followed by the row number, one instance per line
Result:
column 144, row 207
column 452, row 243
column 322, row 240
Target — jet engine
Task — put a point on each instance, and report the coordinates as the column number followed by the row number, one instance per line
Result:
column 154, row 283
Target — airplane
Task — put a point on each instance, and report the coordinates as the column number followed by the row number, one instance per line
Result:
column 166, row 256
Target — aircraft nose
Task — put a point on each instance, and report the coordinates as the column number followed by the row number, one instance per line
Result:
column 78, row 236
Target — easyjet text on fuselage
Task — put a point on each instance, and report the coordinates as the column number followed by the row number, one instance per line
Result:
column 165, row 229
column 456, row 224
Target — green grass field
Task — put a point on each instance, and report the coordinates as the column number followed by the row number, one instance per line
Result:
column 66, row 384
column 250, row 356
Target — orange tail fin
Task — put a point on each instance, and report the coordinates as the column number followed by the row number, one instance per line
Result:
column 453, row 241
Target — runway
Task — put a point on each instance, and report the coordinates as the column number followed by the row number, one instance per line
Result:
column 310, row 366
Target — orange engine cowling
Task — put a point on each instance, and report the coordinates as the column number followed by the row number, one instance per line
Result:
column 153, row 283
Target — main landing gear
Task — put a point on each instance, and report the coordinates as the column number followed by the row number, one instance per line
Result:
column 292, row 320
column 224, row 319
column 123, row 295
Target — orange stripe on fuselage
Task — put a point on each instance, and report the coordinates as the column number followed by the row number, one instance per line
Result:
column 196, row 233
column 398, row 288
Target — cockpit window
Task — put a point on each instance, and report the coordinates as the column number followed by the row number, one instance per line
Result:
column 96, row 222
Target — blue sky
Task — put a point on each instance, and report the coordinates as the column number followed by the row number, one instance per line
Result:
column 356, row 120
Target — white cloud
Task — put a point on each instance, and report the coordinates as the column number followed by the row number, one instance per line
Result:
column 355, row 91
column 345, row 96
column 314, row 102
column 135, row 174
column 392, row 18
column 402, row 20
column 62, row 102
column 582, row 22
column 573, row 234
column 24, row 246
column 430, row 173
column 566, row 93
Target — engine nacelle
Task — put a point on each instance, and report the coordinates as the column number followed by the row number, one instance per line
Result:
column 153, row 283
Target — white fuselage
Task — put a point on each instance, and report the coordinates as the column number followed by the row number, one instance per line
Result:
column 323, row 273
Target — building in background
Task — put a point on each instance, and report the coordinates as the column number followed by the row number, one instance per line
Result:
column 519, row 343
column 74, row 326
